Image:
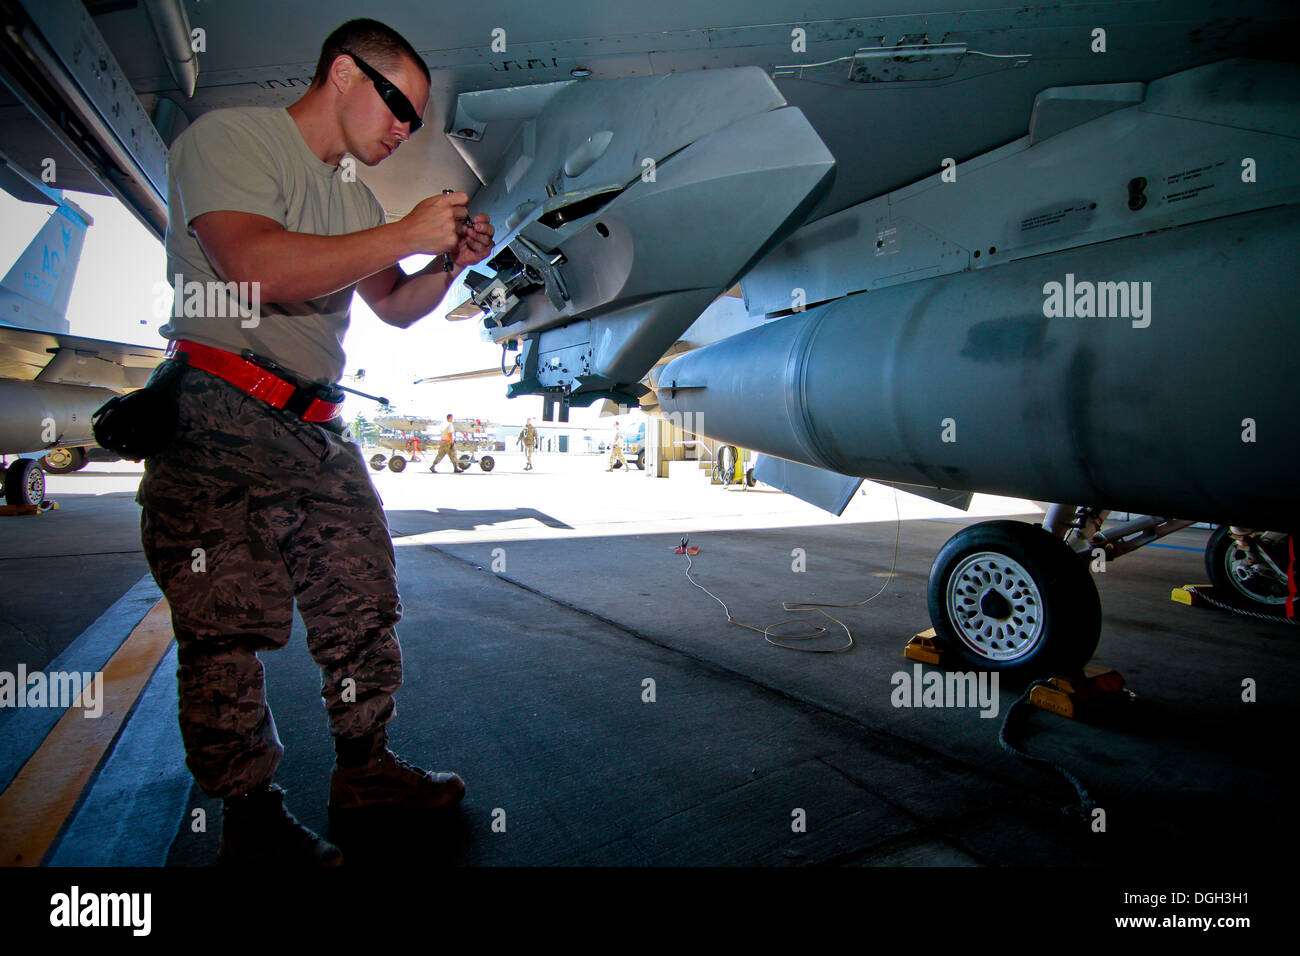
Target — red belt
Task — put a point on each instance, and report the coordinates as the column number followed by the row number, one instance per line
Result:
column 250, row 377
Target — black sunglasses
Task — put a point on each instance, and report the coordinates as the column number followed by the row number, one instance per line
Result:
column 393, row 98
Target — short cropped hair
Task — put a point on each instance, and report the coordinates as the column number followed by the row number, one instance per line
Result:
column 378, row 44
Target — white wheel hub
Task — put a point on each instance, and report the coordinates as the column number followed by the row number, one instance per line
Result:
column 1253, row 581
column 995, row 606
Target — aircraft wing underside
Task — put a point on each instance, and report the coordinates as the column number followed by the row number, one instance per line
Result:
column 54, row 358
column 101, row 87
column 863, row 173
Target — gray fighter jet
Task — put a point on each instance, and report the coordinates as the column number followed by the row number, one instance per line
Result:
column 1045, row 251
column 51, row 382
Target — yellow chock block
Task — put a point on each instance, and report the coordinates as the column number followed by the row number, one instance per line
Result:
column 1077, row 698
column 44, row 506
column 922, row 647
column 1193, row 595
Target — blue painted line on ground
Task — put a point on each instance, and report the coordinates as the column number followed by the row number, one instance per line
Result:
column 1175, row 547
column 134, row 807
column 23, row 730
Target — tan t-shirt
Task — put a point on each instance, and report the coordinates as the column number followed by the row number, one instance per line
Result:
column 255, row 160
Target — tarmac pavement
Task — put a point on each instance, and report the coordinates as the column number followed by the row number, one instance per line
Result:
column 603, row 711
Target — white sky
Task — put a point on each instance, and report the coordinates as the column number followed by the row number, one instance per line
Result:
column 112, row 296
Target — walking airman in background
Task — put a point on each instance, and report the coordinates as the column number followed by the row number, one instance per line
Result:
column 528, row 439
column 616, row 449
column 447, row 448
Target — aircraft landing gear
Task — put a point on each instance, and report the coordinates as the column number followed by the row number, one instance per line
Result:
column 724, row 469
column 1008, row 596
column 377, row 462
column 1249, row 569
column 397, row 463
column 64, row 461
column 24, row 483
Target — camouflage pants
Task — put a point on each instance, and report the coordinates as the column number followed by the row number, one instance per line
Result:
column 447, row 450
column 248, row 510
column 616, row 455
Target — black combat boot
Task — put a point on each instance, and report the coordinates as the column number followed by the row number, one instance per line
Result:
column 257, row 830
column 368, row 775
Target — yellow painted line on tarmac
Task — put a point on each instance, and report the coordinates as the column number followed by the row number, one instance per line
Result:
column 46, row 789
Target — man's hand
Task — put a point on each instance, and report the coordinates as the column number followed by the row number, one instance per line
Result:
column 475, row 242
column 400, row 299
column 435, row 224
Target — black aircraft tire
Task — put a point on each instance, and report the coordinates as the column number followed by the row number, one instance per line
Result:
column 1028, row 604
column 24, row 483
column 397, row 464
column 1218, row 560
column 486, row 463
column 727, row 455
column 76, row 460
column 377, row 462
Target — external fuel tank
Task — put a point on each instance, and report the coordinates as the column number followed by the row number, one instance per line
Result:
column 1154, row 374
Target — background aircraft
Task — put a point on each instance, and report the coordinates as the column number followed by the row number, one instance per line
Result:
column 50, row 381
column 1045, row 251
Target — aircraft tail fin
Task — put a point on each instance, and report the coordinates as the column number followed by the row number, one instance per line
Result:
column 41, row 278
